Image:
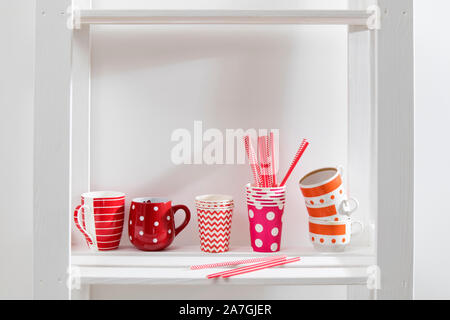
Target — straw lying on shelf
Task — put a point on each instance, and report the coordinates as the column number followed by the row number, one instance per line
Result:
column 273, row 262
column 234, row 262
column 256, row 268
column 264, row 263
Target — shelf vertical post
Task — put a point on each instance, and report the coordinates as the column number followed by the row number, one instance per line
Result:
column 385, row 92
column 395, row 143
column 362, row 130
column 51, row 185
column 81, row 112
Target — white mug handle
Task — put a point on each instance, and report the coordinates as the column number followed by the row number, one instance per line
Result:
column 361, row 227
column 346, row 206
column 80, row 223
column 340, row 170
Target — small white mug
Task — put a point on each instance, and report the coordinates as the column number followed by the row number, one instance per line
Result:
column 331, row 235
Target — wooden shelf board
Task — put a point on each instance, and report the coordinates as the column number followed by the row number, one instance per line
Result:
column 131, row 266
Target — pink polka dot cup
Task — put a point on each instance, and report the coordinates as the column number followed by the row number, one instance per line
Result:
column 265, row 219
column 151, row 223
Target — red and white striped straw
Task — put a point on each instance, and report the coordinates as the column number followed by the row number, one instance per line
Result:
column 261, row 167
column 220, row 274
column 253, row 161
column 262, row 160
column 297, row 157
column 256, row 268
column 269, row 162
column 274, row 159
column 234, row 262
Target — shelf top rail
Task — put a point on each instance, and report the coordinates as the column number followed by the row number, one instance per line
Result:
column 367, row 18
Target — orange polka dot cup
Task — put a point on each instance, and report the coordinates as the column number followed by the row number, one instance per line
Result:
column 151, row 224
column 331, row 235
column 324, row 194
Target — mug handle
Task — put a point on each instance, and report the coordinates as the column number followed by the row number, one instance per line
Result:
column 186, row 219
column 346, row 203
column 79, row 223
column 361, row 227
column 340, row 170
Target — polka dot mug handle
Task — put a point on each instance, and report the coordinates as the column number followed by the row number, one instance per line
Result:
column 347, row 208
column 360, row 229
column 79, row 223
column 186, row 219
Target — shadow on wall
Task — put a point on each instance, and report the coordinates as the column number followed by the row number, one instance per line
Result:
column 245, row 62
column 238, row 85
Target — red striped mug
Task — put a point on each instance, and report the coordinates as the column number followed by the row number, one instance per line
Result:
column 325, row 195
column 100, row 218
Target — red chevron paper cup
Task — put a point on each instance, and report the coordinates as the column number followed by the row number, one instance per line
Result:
column 214, row 226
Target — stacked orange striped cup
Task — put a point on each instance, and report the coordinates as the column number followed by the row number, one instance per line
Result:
column 329, row 208
column 214, row 213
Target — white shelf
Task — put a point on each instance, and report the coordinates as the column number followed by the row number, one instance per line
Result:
column 317, row 17
column 130, row 266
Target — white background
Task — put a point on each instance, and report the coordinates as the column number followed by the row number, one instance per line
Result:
column 16, row 147
column 432, row 156
column 16, row 93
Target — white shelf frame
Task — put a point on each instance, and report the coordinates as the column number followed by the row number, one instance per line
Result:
column 129, row 266
column 367, row 18
column 380, row 111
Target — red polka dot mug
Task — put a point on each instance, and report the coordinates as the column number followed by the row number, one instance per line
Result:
column 151, row 223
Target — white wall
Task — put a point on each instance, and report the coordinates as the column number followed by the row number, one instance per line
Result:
column 432, row 153
column 16, row 147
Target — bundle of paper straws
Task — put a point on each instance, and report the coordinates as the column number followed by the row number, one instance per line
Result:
column 264, row 166
column 253, row 264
